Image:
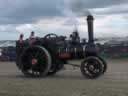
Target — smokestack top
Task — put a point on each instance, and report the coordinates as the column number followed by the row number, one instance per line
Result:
column 90, row 17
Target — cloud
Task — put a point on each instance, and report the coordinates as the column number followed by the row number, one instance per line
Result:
column 115, row 9
column 8, row 28
column 59, row 16
column 81, row 7
column 26, row 11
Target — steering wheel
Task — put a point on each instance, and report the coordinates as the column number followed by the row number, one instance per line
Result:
column 51, row 35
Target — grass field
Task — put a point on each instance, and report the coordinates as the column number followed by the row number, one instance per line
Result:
column 67, row 82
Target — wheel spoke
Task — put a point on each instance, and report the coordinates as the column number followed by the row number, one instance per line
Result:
column 37, row 54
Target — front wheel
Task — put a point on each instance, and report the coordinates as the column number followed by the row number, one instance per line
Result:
column 91, row 67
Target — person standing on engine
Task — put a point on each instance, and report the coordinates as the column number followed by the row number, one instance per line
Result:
column 21, row 38
column 32, row 37
column 75, row 38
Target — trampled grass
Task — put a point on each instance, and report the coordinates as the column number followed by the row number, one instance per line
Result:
column 67, row 82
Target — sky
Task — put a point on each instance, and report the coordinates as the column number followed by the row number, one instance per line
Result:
column 62, row 17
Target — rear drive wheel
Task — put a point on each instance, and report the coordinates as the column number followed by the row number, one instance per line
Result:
column 35, row 61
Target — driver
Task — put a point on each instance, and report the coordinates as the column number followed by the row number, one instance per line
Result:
column 74, row 37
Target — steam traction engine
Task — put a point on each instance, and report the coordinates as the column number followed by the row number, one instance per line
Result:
column 46, row 56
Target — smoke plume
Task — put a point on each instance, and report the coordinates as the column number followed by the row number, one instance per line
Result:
column 67, row 8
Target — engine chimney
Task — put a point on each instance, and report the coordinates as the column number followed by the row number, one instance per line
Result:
column 90, row 29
